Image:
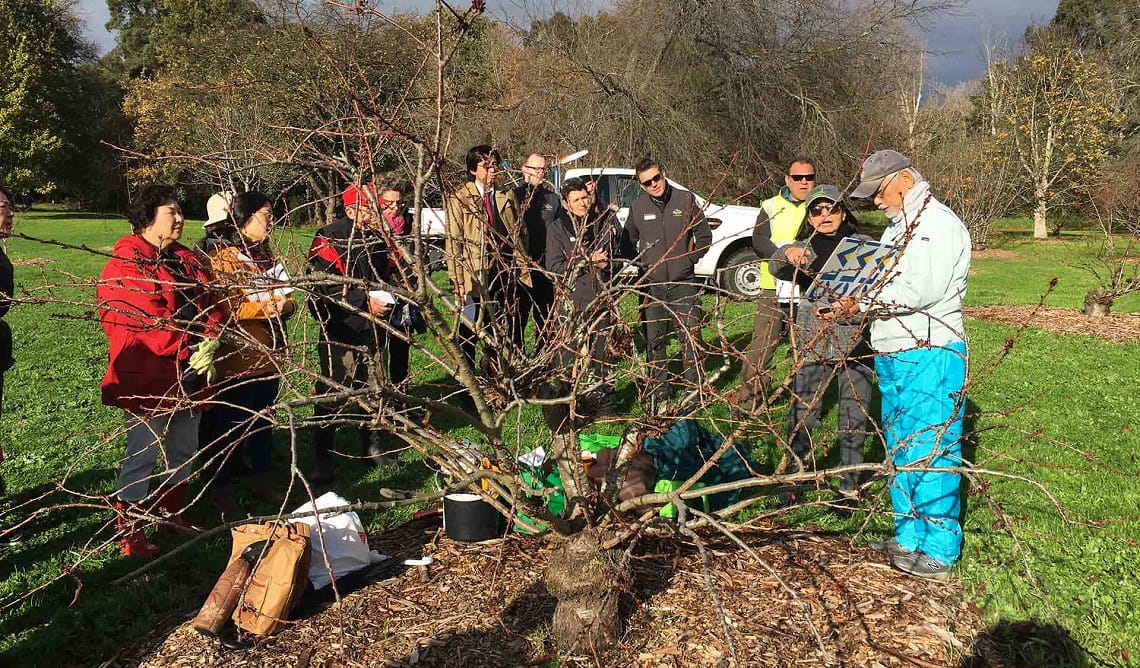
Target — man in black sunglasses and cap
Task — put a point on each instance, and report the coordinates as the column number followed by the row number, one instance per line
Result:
column 672, row 234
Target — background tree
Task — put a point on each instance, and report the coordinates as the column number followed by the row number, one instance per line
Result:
column 965, row 163
column 701, row 85
column 39, row 81
column 1059, row 122
column 1109, row 31
column 1115, row 202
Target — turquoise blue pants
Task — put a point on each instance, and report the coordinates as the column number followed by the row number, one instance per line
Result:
column 923, row 407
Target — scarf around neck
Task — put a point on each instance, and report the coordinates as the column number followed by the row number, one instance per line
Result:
column 913, row 202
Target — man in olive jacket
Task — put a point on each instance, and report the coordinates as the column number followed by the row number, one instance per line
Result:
column 671, row 234
column 487, row 260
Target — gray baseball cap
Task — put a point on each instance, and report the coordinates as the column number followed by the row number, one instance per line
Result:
column 878, row 166
column 823, row 192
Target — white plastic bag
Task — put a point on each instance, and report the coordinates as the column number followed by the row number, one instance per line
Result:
column 341, row 538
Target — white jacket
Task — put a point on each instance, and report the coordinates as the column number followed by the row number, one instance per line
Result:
column 920, row 304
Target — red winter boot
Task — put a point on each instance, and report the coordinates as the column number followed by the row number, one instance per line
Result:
column 172, row 501
column 132, row 541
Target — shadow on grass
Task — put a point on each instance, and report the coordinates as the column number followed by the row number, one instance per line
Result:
column 34, row 547
column 80, row 618
column 1026, row 643
column 75, row 215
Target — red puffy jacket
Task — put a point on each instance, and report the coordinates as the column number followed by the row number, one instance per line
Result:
column 145, row 302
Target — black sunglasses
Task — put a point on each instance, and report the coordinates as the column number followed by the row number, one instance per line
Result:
column 652, row 180
column 823, row 209
column 802, row 177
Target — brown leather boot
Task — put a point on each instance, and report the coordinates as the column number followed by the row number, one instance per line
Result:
column 132, row 539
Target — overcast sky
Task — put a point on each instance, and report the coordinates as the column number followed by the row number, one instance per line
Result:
column 955, row 41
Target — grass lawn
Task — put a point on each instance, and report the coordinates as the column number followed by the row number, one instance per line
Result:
column 1076, row 435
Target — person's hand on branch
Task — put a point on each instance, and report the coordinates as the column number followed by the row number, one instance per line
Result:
column 600, row 258
column 797, row 255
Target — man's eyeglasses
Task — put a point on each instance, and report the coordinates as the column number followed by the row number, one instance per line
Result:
column 823, row 209
column 537, row 168
column 802, row 177
column 652, row 180
column 884, row 183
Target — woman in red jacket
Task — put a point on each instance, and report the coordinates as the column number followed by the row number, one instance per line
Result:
column 156, row 312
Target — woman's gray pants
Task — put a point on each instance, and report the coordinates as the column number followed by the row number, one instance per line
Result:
column 172, row 435
column 856, row 382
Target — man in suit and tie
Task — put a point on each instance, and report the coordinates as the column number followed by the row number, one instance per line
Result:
column 487, row 260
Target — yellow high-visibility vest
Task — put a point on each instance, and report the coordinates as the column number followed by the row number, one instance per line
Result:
column 784, row 218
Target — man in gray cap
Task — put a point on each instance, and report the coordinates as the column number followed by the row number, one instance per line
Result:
column 920, row 343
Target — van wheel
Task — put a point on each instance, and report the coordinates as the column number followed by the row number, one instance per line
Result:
column 740, row 273
column 436, row 260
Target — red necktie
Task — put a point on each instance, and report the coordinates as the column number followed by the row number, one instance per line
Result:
column 490, row 209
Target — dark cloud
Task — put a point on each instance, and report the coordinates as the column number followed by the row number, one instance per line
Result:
column 955, row 40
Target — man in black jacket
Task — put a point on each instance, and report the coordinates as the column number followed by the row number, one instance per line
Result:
column 539, row 206
column 351, row 345
column 671, row 234
column 580, row 244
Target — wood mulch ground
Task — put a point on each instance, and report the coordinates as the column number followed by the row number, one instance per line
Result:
column 1115, row 327
column 484, row 605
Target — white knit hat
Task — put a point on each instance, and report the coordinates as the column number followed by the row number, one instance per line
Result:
column 218, row 208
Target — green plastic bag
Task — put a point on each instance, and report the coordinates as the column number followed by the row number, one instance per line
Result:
column 598, row 442
column 669, row 510
column 535, row 478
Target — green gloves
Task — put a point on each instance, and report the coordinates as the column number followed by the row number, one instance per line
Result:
column 202, row 359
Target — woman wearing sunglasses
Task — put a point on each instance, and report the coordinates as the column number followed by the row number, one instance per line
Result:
column 826, row 350
column 249, row 275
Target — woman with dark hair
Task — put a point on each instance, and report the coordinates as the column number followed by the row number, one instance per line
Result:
column 7, row 288
column 826, row 350
column 162, row 326
column 256, row 305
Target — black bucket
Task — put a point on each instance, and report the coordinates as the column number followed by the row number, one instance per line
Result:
column 468, row 518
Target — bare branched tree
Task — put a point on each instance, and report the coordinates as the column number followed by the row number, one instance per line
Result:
column 359, row 121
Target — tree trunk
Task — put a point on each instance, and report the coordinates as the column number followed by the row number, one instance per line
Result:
column 1098, row 303
column 589, row 583
column 1039, row 229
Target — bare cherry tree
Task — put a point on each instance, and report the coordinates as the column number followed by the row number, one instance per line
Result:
column 390, row 126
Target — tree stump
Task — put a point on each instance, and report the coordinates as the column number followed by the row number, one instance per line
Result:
column 588, row 583
column 1098, row 303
